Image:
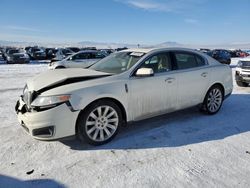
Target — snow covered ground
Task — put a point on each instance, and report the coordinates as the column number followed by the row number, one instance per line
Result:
column 182, row 149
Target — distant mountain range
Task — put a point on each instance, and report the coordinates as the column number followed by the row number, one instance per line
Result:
column 119, row 45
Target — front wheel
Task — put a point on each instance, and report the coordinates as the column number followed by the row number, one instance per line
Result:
column 99, row 123
column 213, row 100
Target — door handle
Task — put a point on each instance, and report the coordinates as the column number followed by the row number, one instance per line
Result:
column 169, row 80
column 204, row 74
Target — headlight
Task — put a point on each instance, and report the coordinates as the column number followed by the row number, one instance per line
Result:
column 25, row 94
column 239, row 64
column 25, row 89
column 48, row 101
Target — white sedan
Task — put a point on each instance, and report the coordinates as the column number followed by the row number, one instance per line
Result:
column 82, row 59
column 126, row 86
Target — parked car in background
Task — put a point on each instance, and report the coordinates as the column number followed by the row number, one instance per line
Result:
column 233, row 53
column 61, row 53
column 120, row 49
column 248, row 52
column 27, row 48
column 88, row 48
column 16, row 56
column 36, row 53
column 125, row 86
column 50, row 53
column 204, row 50
column 1, row 50
column 107, row 51
column 242, row 72
column 223, row 56
column 82, row 59
column 241, row 53
column 4, row 51
column 1, row 56
column 74, row 49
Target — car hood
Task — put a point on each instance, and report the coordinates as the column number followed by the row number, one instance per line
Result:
column 59, row 77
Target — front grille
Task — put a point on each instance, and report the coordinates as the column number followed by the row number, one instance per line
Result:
column 246, row 64
column 247, row 71
column 246, row 67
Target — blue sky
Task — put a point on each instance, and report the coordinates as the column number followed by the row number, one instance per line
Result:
column 126, row 21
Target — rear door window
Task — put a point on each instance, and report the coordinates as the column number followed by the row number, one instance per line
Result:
column 186, row 60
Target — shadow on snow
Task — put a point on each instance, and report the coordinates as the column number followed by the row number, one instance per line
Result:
column 10, row 182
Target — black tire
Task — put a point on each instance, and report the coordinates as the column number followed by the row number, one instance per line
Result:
column 84, row 117
column 242, row 84
column 60, row 67
column 206, row 106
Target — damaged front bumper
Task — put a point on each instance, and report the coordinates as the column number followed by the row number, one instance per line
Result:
column 51, row 124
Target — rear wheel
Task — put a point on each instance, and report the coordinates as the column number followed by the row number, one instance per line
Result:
column 242, row 84
column 99, row 123
column 213, row 100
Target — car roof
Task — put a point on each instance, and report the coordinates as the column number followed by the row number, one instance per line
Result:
column 141, row 50
column 147, row 50
column 87, row 51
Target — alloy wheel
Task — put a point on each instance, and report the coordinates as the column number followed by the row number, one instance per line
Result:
column 214, row 100
column 101, row 123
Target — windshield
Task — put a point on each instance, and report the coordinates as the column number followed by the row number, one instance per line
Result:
column 118, row 62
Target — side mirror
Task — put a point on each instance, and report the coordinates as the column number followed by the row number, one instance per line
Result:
column 144, row 72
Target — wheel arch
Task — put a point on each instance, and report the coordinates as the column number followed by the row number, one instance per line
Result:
column 217, row 84
column 118, row 103
column 60, row 67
